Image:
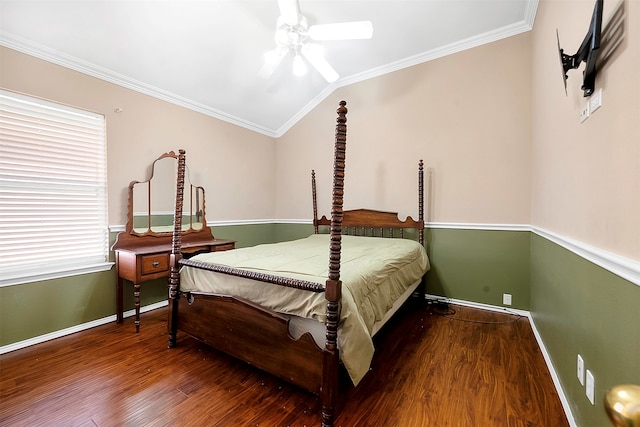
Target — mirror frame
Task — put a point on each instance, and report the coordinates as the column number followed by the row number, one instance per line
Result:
column 129, row 228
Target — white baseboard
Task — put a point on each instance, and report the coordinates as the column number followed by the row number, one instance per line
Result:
column 554, row 375
column 77, row 328
column 543, row 349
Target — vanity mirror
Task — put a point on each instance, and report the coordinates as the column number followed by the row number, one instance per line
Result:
column 151, row 202
column 142, row 250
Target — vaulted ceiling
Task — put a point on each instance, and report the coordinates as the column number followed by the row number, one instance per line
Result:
column 206, row 54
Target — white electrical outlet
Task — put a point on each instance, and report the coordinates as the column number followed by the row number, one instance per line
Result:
column 506, row 299
column 584, row 112
column 595, row 101
column 591, row 385
column 580, row 370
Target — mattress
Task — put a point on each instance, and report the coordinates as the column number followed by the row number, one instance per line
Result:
column 375, row 274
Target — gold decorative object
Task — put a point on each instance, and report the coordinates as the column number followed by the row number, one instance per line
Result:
column 622, row 404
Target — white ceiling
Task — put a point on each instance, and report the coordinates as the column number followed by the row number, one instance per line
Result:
column 205, row 55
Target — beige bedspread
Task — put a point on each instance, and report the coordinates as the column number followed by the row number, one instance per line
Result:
column 374, row 273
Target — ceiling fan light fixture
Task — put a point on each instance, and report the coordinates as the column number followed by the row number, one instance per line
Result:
column 293, row 34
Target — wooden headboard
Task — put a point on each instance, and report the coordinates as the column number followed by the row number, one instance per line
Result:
column 369, row 222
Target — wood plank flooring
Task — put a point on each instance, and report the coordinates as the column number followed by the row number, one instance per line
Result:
column 430, row 369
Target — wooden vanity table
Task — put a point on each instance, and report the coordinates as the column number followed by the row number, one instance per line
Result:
column 142, row 260
column 142, row 250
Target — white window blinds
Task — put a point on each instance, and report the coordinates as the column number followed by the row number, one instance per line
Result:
column 53, row 190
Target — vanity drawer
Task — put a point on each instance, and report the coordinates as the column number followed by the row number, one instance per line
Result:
column 156, row 263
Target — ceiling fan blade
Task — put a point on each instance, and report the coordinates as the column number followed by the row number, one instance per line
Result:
column 342, row 31
column 272, row 59
column 314, row 55
column 289, row 11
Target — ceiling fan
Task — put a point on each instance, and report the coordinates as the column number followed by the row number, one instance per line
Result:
column 293, row 35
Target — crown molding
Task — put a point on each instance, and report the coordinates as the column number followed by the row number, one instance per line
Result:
column 37, row 50
column 479, row 40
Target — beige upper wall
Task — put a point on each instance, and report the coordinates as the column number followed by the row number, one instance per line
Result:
column 467, row 115
column 586, row 177
column 501, row 141
column 235, row 165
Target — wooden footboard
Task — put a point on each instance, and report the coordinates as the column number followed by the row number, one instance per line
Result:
column 254, row 334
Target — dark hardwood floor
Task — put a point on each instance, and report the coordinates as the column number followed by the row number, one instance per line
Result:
column 430, row 369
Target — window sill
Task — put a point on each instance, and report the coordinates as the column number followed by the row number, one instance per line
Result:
column 35, row 277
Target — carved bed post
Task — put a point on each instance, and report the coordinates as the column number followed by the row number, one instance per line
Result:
column 333, row 288
column 174, row 276
column 315, row 201
column 421, row 200
column 422, row 287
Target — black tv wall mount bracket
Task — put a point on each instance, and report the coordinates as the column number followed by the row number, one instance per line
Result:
column 569, row 62
column 588, row 52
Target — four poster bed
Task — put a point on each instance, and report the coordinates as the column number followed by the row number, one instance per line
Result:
column 298, row 309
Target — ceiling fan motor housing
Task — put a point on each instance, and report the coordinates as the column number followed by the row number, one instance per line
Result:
column 292, row 36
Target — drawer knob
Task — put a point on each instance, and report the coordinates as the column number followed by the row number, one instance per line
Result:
column 155, row 263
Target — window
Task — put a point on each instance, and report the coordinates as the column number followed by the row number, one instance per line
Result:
column 53, row 190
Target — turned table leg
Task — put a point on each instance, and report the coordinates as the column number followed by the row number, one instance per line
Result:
column 119, row 299
column 136, row 297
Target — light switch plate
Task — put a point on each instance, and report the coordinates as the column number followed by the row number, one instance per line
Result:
column 591, row 385
column 580, row 370
column 584, row 111
column 595, row 101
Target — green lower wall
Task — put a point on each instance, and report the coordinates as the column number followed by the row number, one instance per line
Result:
column 34, row 309
column 496, row 262
column 479, row 265
column 39, row 308
column 285, row 232
column 581, row 308
column 577, row 306
column 246, row 235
